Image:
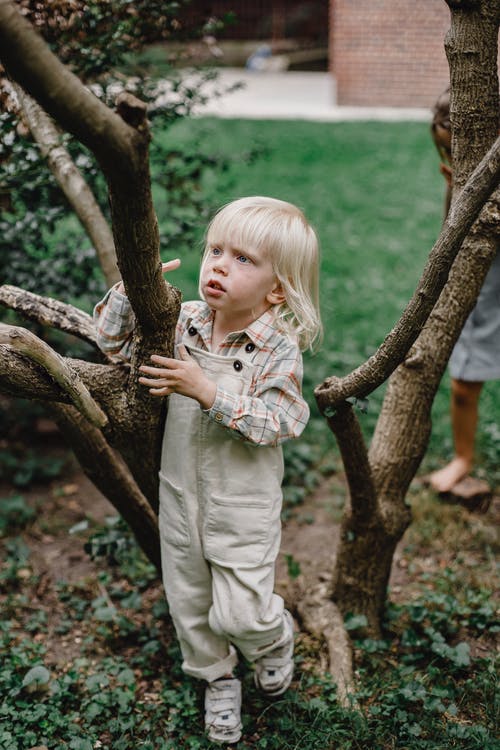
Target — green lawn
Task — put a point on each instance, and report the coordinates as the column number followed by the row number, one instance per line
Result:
column 374, row 193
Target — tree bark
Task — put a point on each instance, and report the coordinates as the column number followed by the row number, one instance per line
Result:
column 401, row 436
column 120, row 143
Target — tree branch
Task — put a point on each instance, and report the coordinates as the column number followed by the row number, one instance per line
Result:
column 49, row 312
column 62, row 94
column 31, row 346
column 345, row 426
column 122, row 152
column 372, row 373
column 72, row 184
column 22, row 378
column 108, row 472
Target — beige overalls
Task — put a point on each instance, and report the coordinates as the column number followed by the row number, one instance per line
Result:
column 220, row 530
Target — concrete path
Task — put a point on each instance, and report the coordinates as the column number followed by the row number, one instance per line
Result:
column 294, row 96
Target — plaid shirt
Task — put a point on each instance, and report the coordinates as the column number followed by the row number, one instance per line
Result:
column 273, row 410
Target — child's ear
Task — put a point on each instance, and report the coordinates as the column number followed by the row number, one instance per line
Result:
column 276, row 296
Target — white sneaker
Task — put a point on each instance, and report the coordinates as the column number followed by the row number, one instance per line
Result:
column 223, row 710
column 274, row 671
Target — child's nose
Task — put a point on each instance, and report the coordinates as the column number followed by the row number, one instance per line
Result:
column 220, row 266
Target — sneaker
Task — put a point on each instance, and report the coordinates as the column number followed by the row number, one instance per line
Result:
column 223, row 710
column 274, row 671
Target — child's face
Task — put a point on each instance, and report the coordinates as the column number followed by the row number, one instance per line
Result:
column 239, row 283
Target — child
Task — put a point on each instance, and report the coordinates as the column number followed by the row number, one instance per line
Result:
column 235, row 396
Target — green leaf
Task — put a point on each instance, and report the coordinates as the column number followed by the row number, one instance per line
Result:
column 353, row 622
column 462, row 654
column 36, row 676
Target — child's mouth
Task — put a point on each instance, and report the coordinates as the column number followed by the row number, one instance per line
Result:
column 215, row 286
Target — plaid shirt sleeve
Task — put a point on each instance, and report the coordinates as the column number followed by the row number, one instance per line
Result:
column 275, row 410
column 114, row 323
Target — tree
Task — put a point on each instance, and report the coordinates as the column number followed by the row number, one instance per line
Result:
column 115, row 429
column 117, row 411
column 418, row 348
column 95, row 39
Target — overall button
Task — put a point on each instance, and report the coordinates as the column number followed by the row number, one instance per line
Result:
column 237, row 365
column 192, row 331
column 219, row 416
column 249, row 347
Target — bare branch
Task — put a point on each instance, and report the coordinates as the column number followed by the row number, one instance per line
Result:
column 72, row 184
column 31, row 346
column 49, row 312
column 22, row 378
column 122, row 152
column 392, row 351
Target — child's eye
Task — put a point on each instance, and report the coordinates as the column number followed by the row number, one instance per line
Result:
column 243, row 259
column 216, row 251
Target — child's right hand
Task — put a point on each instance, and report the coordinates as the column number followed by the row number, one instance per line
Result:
column 170, row 265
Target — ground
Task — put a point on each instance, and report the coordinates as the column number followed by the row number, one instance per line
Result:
column 446, row 536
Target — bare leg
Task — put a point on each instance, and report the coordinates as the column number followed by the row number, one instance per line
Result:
column 464, row 416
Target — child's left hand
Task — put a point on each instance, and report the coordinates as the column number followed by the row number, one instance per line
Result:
column 183, row 376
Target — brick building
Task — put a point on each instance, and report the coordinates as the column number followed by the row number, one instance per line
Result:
column 380, row 52
column 388, row 52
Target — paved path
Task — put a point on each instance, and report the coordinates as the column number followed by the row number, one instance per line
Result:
column 294, row 96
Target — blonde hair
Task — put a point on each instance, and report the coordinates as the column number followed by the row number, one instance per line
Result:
column 282, row 232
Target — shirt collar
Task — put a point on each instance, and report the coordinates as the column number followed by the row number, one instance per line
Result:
column 259, row 331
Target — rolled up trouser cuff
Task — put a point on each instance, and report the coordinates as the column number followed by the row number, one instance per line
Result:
column 213, row 671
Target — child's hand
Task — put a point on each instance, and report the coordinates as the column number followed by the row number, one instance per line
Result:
column 170, row 265
column 183, row 376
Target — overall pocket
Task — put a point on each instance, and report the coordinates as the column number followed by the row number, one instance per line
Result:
column 173, row 522
column 241, row 531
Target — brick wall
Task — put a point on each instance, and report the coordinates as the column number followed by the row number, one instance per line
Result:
column 388, row 52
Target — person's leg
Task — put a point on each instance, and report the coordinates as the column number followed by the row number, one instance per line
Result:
column 245, row 609
column 207, row 655
column 464, row 418
column 188, row 586
column 248, row 612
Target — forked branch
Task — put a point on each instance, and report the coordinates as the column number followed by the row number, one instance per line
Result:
column 26, row 343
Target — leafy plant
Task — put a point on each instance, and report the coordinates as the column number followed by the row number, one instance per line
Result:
column 116, row 544
column 21, row 467
column 14, row 514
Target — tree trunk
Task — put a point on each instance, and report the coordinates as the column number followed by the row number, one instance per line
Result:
column 120, row 143
column 367, row 545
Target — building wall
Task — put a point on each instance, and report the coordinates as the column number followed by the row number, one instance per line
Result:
column 263, row 19
column 388, row 52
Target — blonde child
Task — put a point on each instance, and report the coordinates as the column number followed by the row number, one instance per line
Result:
column 234, row 392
